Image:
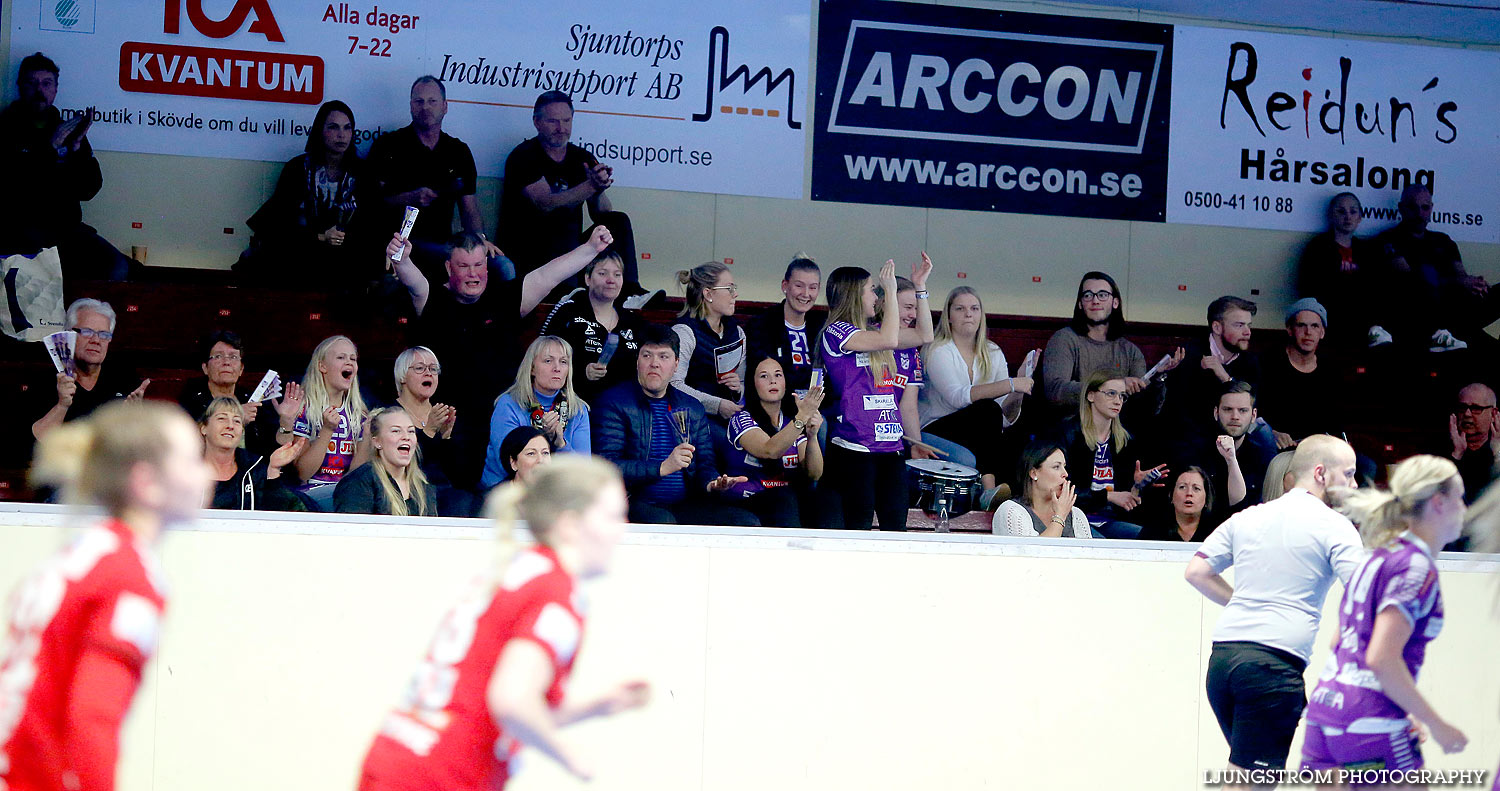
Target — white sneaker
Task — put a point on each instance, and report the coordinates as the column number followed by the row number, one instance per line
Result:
column 1379, row 337
column 1443, row 341
column 639, row 300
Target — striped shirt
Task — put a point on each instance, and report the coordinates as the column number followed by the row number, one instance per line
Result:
column 671, row 488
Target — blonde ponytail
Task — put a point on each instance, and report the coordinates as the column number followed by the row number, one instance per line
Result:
column 91, row 459
column 1384, row 515
column 567, row 484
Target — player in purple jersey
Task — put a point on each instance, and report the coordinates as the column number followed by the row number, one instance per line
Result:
column 1360, row 715
column 864, row 446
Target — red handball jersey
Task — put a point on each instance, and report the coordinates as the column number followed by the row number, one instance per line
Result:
column 442, row 737
column 81, row 631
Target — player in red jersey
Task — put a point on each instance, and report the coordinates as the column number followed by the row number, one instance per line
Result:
column 494, row 675
column 83, row 627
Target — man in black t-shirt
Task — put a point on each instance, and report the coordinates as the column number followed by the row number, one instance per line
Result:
column 547, row 182
column 474, row 326
column 420, row 165
column 1299, row 394
column 1439, row 294
column 67, row 397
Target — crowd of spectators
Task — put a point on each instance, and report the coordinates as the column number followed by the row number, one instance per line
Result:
column 792, row 418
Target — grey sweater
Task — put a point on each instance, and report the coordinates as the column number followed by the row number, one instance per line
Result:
column 1069, row 359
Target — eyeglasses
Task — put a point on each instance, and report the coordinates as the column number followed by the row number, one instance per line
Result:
column 85, row 332
column 232, row 357
column 1113, row 394
column 1090, row 296
column 732, row 289
column 424, row 368
column 1477, row 409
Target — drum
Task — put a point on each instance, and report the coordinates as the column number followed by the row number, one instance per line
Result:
column 944, row 488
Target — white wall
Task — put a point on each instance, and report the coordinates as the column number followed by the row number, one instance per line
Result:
column 780, row 659
column 184, row 203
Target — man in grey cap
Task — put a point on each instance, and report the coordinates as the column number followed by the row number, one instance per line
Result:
column 1298, row 395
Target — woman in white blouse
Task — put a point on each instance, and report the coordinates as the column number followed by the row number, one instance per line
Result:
column 1045, row 507
column 969, row 394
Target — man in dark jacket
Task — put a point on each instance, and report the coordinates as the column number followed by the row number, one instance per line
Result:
column 51, row 168
column 1210, row 363
column 661, row 441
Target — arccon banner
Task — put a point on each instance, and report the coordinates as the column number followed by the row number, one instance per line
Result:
column 675, row 94
column 1268, row 127
column 922, row 105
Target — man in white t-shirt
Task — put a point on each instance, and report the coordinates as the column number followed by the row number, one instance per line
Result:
column 1286, row 554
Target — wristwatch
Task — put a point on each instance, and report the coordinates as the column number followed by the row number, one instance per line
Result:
column 799, row 423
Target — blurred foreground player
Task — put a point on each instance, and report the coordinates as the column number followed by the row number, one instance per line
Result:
column 83, row 627
column 494, row 675
column 1360, row 714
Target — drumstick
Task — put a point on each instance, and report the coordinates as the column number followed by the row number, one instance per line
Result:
column 922, row 444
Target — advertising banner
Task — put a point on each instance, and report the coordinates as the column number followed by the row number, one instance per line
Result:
column 922, row 105
column 1266, row 128
column 674, row 94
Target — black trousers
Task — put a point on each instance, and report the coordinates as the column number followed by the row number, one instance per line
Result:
column 693, row 511
column 977, row 427
column 868, row 484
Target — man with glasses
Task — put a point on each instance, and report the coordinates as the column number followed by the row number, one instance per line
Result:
column 92, row 385
column 1095, row 340
column 1474, row 435
column 223, row 365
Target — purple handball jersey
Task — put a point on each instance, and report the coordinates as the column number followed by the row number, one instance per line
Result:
column 762, row 474
column 1348, row 695
column 869, row 413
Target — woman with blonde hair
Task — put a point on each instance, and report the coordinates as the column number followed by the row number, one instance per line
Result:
column 969, row 395
column 1099, row 461
column 712, row 359
column 329, row 410
column 244, row 481
column 1392, row 609
column 494, row 677
column 392, row 481
column 83, row 627
column 543, row 397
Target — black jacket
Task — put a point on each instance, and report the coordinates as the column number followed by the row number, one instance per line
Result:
column 621, row 424
column 260, row 436
column 1080, row 460
column 359, row 493
column 765, row 333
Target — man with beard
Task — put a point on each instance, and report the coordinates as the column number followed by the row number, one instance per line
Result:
column 1212, row 362
column 420, row 165
column 1095, row 340
column 51, row 169
column 1298, row 396
column 548, row 181
column 1438, row 290
column 1236, row 464
column 1286, row 554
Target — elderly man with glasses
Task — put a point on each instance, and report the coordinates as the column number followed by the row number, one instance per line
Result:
column 90, row 385
column 1474, row 435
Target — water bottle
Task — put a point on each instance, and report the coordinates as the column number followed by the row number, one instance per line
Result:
column 611, row 344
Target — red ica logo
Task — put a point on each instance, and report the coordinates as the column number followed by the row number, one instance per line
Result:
column 264, row 24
